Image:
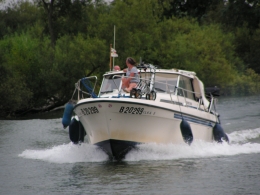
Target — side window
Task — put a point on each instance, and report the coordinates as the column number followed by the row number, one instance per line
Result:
column 165, row 82
column 186, row 90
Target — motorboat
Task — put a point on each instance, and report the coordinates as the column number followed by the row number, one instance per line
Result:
column 167, row 106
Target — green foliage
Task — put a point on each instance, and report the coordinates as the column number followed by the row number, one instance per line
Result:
column 207, row 51
column 37, row 71
column 239, row 12
column 18, row 18
column 39, row 74
column 75, row 57
column 19, row 54
column 136, row 30
column 241, row 18
column 15, row 94
column 248, row 43
column 244, row 84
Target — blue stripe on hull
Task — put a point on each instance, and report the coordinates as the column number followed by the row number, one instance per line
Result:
column 194, row 120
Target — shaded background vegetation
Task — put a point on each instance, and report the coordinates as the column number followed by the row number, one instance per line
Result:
column 47, row 45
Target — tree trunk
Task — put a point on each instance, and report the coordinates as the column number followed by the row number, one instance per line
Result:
column 49, row 9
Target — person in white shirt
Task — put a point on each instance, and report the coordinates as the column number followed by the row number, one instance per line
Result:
column 132, row 78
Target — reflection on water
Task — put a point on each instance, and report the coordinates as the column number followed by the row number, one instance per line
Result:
column 130, row 177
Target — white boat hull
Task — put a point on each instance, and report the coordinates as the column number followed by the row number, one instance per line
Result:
column 130, row 121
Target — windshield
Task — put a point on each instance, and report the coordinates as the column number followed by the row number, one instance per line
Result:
column 110, row 82
column 165, row 82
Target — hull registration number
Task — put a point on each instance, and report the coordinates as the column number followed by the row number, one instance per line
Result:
column 89, row 110
column 131, row 110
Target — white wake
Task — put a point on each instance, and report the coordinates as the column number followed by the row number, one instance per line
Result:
column 70, row 153
column 67, row 153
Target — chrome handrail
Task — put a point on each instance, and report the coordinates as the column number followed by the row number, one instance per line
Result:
column 185, row 98
column 80, row 92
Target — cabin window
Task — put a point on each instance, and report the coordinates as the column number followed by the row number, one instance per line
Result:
column 185, row 87
column 110, row 82
column 165, row 82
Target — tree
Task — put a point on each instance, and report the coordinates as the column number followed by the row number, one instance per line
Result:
column 237, row 13
column 75, row 58
column 14, row 92
column 16, row 19
column 183, row 8
column 49, row 8
column 136, row 29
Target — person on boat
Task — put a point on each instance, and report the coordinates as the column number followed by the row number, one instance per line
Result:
column 116, row 68
column 132, row 78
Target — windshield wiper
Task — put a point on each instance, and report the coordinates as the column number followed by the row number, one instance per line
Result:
column 109, row 91
column 159, row 89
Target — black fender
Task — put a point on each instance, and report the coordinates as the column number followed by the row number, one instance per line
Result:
column 76, row 131
column 186, row 132
column 219, row 134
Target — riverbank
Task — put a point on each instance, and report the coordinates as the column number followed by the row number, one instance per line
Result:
column 55, row 113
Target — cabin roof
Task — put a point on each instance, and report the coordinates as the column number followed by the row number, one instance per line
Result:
column 175, row 71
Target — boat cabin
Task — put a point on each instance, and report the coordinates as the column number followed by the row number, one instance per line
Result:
column 166, row 81
column 175, row 82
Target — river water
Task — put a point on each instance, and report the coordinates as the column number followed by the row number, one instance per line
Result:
column 38, row 158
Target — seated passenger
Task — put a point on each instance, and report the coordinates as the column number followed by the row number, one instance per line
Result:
column 132, row 78
column 116, row 68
